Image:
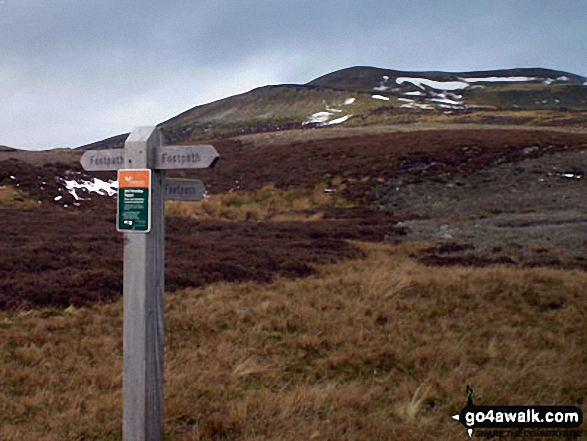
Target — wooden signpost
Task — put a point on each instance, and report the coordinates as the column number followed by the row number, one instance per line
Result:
column 141, row 216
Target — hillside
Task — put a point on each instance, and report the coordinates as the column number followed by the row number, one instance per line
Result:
column 510, row 196
column 368, row 96
column 345, row 279
column 363, row 78
column 330, row 287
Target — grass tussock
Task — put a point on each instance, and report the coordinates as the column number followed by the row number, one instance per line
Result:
column 267, row 203
column 11, row 198
column 379, row 348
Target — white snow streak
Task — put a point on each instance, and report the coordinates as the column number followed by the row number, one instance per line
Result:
column 338, row 120
column 446, row 101
column 415, row 93
column 438, row 93
column 319, row 118
column 94, row 185
column 323, row 118
column 499, row 79
column 380, row 97
column 411, row 104
column 438, row 85
column 464, row 83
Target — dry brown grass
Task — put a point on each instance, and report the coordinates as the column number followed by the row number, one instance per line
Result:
column 10, row 197
column 373, row 349
column 267, row 203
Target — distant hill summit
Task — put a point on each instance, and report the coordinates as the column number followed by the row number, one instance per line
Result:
column 363, row 95
column 362, row 78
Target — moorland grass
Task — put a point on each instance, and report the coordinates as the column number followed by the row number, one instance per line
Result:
column 379, row 348
column 12, row 198
column 267, row 203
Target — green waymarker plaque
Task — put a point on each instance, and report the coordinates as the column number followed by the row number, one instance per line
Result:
column 134, row 201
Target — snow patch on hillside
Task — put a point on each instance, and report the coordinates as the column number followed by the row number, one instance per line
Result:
column 94, row 185
column 500, row 79
column 432, row 84
column 465, row 83
column 323, row 118
column 411, row 104
column 415, row 94
column 382, row 87
column 319, row 118
column 444, row 100
column 339, row 120
column 431, row 99
column 440, row 94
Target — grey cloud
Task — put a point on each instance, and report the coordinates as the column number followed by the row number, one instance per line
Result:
column 118, row 55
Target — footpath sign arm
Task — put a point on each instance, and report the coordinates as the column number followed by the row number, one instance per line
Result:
column 161, row 158
column 143, row 302
column 93, row 160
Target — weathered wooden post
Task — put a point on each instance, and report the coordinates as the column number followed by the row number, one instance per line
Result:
column 144, row 265
column 141, row 217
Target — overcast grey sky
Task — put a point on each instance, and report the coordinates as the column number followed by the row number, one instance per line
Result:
column 77, row 71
